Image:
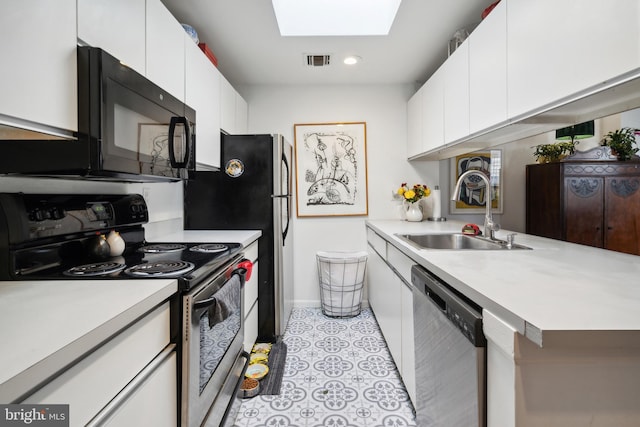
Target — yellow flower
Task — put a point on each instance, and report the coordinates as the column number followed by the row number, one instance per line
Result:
column 414, row 194
column 409, row 194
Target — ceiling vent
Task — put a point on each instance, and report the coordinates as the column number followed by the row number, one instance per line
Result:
column 318, row 60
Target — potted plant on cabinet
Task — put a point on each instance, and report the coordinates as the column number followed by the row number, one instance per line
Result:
column 547, row 153
column 622, row 143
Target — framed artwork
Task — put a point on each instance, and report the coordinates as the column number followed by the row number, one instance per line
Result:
column 331, row 169
column 473, row 192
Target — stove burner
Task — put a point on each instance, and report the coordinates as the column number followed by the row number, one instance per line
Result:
column 210, row 248
column 162, row 248
column 96, row 269
column 160, row 269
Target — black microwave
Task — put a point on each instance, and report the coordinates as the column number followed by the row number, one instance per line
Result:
column 129, row 129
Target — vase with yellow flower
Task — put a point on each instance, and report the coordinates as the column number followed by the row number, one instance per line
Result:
column 411, row 198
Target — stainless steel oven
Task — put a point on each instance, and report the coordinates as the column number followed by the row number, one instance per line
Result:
column 213, row 359
column 63, row 237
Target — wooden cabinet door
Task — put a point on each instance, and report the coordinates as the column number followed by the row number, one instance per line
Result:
column 544, row 213
column 584, row 210
column 622, row 215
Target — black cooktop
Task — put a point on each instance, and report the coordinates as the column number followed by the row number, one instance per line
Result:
column 44, row 236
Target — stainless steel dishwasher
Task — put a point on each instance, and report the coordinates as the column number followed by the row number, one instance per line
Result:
column 450, row 352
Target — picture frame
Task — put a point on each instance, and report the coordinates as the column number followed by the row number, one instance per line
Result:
column 331, row 169
column 472, row 191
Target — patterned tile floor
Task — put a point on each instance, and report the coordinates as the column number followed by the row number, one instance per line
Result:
column 338, row 373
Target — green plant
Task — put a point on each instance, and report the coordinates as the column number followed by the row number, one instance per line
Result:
column 546, row 153
column 622, row 143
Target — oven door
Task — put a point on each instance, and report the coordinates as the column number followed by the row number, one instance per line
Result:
column 212, row 343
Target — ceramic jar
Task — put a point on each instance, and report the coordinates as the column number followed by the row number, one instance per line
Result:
column 116, row 243
column 414, row 212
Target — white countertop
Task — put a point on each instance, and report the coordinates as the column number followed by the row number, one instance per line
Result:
column 245, row 237
column 557, row 286
column 48, row 324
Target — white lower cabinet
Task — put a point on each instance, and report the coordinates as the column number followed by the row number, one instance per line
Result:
column 391, row 299
column 251, row 299
column 102, row 377
column 155, row 392
column 386, row 302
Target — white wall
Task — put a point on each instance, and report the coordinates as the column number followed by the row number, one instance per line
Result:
column 275, row 109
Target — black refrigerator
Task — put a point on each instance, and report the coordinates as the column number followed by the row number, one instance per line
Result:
column 252, row 191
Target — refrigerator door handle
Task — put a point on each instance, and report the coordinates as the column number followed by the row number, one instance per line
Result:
column 288, row 189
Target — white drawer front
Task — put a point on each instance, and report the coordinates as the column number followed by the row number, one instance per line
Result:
column 92, row 382
column 400, row 262
column 377, row 242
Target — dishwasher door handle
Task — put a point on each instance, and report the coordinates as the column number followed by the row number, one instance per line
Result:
column 436, row 299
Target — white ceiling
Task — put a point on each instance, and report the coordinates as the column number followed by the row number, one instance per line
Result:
column 244, row 36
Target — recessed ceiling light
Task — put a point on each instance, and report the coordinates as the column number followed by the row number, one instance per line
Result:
column 352, row 59
column 335, row 17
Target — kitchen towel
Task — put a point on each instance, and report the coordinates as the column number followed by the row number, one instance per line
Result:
column 224, row 301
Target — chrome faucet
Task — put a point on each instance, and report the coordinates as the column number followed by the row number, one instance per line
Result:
column 490, row 227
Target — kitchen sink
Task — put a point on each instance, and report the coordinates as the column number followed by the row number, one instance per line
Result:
column 456, row 241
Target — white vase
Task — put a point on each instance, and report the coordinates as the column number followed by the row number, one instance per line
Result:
column 414, row 212
column 116, row 243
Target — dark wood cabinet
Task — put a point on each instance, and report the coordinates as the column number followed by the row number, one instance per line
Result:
column 591, row 202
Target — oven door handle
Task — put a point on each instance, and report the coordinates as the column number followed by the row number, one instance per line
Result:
column 241, row 272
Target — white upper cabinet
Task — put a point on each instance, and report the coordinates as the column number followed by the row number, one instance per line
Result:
column 242, row 114
column 227, row 106
column 456, row 94
column 117, row 26
column 557, row 48
column 414, row 124
column 165, row 49
column 38, row 51
column 488, row 71
column 203, row 95
column 233, row 109
column 433, row 111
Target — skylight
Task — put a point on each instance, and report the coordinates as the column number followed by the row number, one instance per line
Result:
column 335, row 17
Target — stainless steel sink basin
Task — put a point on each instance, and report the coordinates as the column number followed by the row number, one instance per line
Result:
column 456, row 241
